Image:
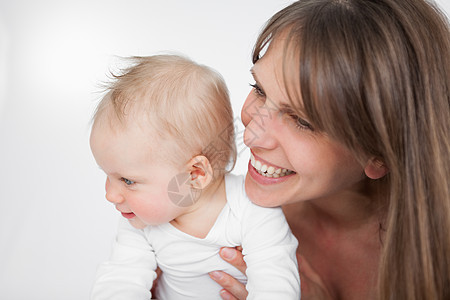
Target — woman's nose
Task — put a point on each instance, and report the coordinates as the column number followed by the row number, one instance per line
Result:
column 258, row 119
column 113, row 195
column 248, row 108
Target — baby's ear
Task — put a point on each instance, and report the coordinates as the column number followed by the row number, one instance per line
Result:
column 375, row 168
column 200, row 171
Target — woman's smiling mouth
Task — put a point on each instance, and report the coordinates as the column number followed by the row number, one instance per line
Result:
column 265, row 173
column 268, row 170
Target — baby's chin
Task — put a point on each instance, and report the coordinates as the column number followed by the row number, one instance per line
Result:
column 137, row 223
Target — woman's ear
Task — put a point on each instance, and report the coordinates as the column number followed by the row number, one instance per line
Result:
column 200, row 172
column 375, row 168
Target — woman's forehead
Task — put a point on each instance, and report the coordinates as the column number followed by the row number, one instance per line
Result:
column 278, row 69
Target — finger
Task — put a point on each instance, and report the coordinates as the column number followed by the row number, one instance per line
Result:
column 234, row 257
column 226, row 295
column 155, row 282
column 229, row 283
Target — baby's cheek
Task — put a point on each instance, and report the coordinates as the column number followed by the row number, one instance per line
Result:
column 155, row 214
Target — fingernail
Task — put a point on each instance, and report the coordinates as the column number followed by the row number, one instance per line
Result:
column 216, row 275
column 228, row 253
column 225, row 295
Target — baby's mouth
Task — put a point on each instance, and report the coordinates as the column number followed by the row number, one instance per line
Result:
column 128, row 215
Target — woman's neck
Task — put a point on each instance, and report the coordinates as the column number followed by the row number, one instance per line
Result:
column 349, row 208
column 341, row 230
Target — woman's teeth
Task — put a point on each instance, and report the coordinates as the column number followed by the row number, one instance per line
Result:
column 268, row 171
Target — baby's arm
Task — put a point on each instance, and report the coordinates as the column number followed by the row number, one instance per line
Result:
column 130, row 272
column 269, row 249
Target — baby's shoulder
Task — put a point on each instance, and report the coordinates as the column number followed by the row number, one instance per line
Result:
column 235, row 190
column 238, row 201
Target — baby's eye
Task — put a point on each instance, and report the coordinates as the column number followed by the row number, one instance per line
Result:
column 127, row 181
column 258, row 91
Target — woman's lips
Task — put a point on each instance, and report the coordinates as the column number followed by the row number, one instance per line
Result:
column 263, row 179
column 128, row 215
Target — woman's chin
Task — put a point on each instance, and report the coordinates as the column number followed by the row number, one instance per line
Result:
column 262, row 197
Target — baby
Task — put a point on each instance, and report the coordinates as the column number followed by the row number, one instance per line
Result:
column 164, row 136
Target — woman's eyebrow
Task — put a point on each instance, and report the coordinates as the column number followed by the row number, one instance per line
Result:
column 286, row 107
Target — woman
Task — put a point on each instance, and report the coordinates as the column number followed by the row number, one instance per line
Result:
column 352, row 96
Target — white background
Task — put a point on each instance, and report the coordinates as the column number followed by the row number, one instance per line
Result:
column 55, row 225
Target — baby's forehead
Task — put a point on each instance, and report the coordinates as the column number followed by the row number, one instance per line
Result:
column 141, row 130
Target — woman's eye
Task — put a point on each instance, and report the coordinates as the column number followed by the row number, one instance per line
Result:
column 127, row 181
column 258, row 91
column 301, row 124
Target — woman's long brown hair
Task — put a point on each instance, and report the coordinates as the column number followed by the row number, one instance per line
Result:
column 375, row 75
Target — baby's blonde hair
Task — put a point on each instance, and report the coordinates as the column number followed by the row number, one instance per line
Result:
column 186, row 104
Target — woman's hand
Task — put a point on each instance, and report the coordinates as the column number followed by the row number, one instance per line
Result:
column 313, row 287
column 233, row 289
column 155, row 282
